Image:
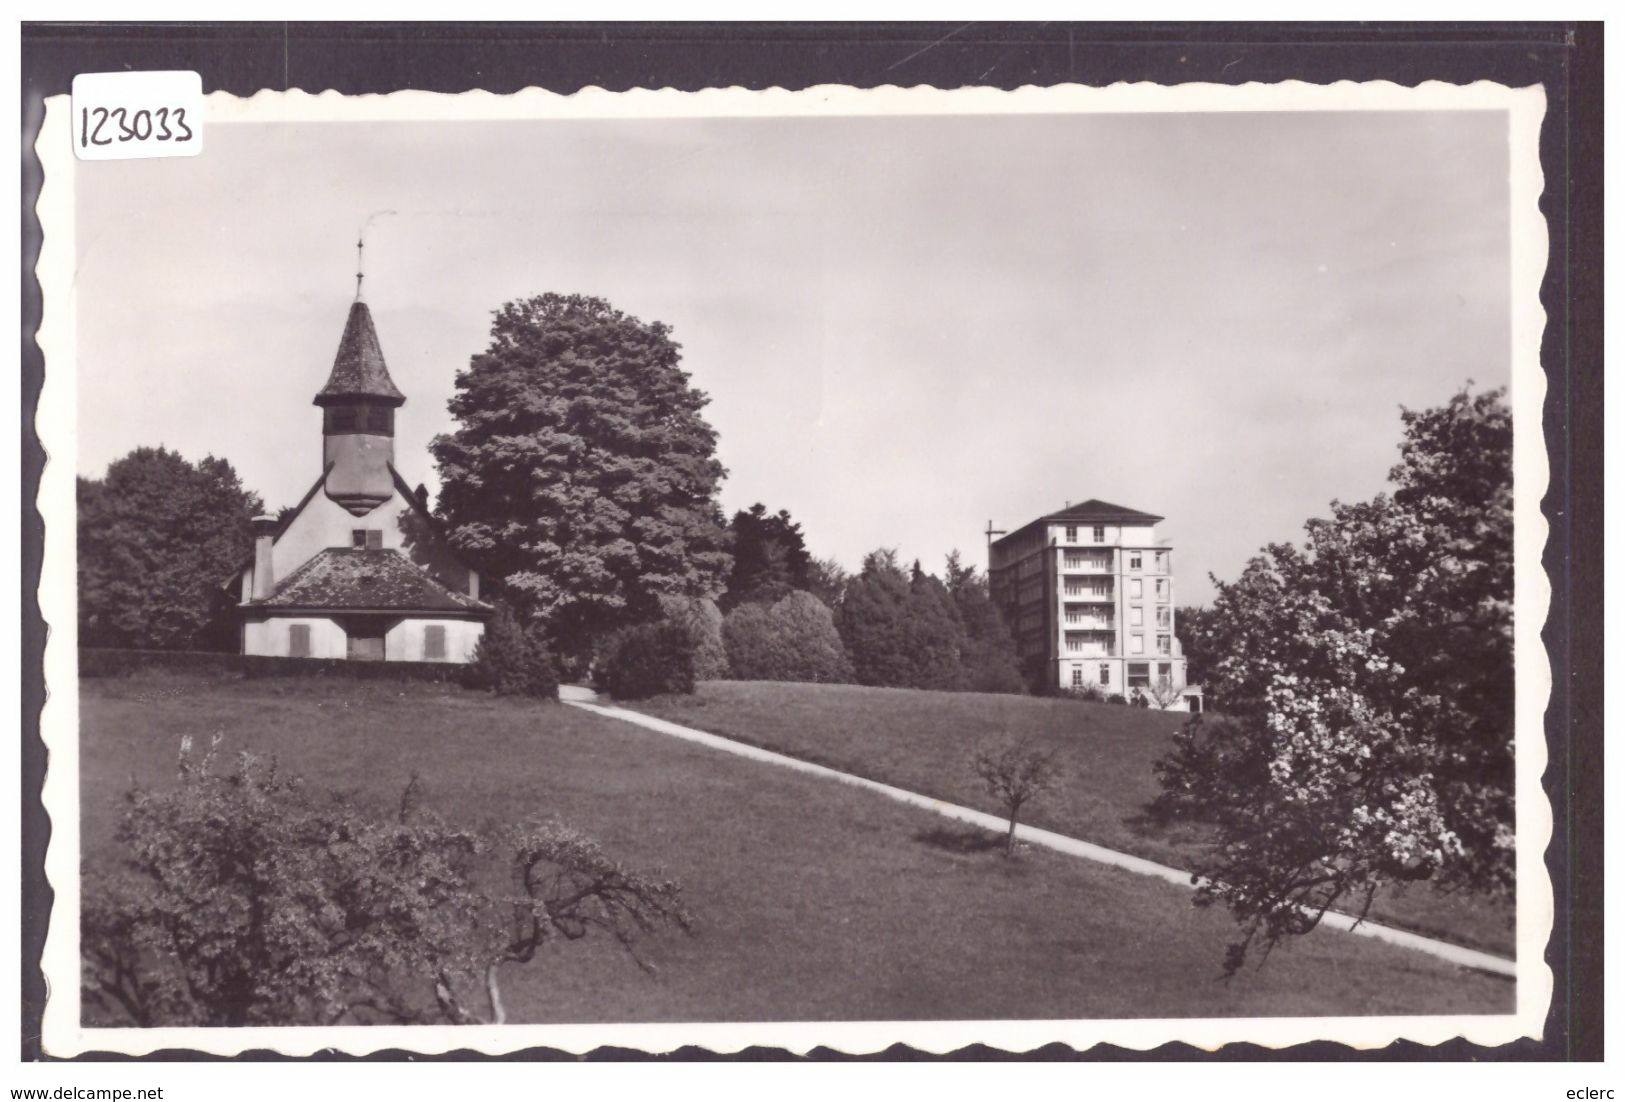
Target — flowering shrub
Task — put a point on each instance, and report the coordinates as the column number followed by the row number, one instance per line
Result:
column 246, row 898
column 1366, row 684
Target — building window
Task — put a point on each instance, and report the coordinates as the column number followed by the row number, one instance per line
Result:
column 1165, row 644
column 1136, row 617
column 1136, row 643
column 1165, row 673
column 298, row 640
column 1139, row 675
column 367, row 539
column 1164, row 617
column 1136, row 588
column 434, row 643
column 1162, row 562
column 1162, row 589
column 1071, row 533
column 1077, row 677
column 1105, row 673
column 1134, row 560
column 1100, row 533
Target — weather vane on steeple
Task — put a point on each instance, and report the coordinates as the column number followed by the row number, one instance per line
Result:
column 359, row 267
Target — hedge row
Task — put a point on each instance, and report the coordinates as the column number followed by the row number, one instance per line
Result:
column 100, row 662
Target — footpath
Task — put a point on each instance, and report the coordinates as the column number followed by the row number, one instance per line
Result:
column 584, row 698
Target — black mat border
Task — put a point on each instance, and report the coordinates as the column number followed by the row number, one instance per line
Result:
column 502, row 57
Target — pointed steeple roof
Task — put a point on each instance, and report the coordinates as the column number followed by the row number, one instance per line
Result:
column 359, row 370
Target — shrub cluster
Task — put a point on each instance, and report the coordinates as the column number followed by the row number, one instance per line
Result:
column 512, row 661
column 701, row 617
column 360, row 917
column 794, row 639
column 646, row 660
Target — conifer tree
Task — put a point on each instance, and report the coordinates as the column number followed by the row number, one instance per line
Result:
column 989, row 661
column 769, row 556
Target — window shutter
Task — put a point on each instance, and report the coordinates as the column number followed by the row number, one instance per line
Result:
column 434, row 643
column 375, row 539
column 299, row 641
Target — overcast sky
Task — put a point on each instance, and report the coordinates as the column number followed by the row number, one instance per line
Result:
column 907, row 326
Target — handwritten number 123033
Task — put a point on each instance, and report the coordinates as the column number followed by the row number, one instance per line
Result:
column 165, row 124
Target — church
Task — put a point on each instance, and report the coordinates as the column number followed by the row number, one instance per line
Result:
column 359, row 568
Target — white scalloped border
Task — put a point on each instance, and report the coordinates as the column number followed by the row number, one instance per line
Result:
column 56, row 424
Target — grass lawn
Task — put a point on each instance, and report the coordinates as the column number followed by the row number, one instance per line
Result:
column 813, row 900
column 924, row 741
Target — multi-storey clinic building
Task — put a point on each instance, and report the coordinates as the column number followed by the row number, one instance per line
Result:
column 1088, row 593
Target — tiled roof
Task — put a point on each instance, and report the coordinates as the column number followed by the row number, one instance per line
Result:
column 358, row 369
column 384, row 580
column 1097, row 511
column 1093, row 511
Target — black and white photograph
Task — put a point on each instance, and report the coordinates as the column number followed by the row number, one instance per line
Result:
column 836, row 567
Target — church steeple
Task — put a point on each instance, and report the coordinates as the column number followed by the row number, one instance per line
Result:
column 358, row 418
column 359, row 371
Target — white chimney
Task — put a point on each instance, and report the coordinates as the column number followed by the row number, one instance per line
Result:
column 264, row 528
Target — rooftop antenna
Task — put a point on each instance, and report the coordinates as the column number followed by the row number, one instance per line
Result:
column 991, row 532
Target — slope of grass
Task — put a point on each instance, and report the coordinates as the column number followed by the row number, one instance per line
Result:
column 813, row 901
column 924, row 741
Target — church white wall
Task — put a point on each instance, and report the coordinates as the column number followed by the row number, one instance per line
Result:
column 325, row 523
column 270, row 636
column 404, row 641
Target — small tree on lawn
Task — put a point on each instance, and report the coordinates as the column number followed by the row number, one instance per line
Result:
column 1163, row 693
column 1016, row 773
column 246, row 898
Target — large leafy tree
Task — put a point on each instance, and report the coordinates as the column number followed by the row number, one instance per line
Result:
column 582, row 474
column 770, row 556
column 158, row 540
column 1367, row 686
